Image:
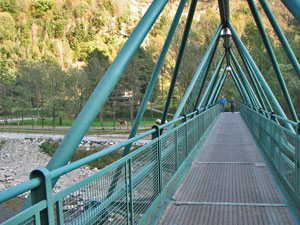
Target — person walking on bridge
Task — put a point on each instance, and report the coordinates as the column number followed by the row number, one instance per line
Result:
column 232, row 104
column 222, row 103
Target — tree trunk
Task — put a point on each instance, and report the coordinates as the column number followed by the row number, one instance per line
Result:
column 22, row 116
column 131, row 110
column 60, row 121
column 101, row 119
column 151, row 106
column 53, row 118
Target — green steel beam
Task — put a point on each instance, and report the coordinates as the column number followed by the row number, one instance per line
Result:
column 294, row 7
column 94, row 104
column 212, row 87
column 205, row 72
column 150, row 88
column 245, row 80
column 213, row 83
column 217, row 86
column 224, row 11
column 247, row 65
column 256, row 83
column 281, row 36
column 272, row 56
column 238, row 87
column 179, row 58
column 242, row 86
column 155, row 74
column 195, row 78
column 210, row 84
column 239, row 43
column 245, row 85
column 220, row 88
column 203, row 77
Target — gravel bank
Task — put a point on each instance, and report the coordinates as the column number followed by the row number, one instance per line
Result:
column 18, row 157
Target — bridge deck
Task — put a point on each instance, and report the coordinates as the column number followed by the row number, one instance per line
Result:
column 228, row 183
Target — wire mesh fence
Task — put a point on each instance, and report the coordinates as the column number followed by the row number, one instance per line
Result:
column 124, row 191
column 280, row 145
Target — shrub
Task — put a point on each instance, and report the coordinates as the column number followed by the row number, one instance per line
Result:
column 49, row 147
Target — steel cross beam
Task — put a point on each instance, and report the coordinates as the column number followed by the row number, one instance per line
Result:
column 220, row 87
column 248, row 66
column 272, row 56
column 245, row 80
column 203, row 77
column 294, row 7
column 238, row 42
column 243, row 87
column 206, row 72
column 216, row 87
column 195, row 78
column 94, row 104
column 238, row 87
column 253, row 80
column 212, row 81
column 179, row 58
column 281, row 37
column 213, row 84
column 155, row 74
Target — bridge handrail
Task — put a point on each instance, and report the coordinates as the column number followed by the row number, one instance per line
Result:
column 35, row 182
column 272, row 114
column 188, row 132
column 281, row 147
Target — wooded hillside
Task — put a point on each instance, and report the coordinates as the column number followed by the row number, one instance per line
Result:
column 54, row 52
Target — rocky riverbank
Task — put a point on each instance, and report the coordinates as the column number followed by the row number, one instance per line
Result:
column 19, row 156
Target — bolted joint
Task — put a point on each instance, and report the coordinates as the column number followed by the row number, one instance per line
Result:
column 272, row 116
column 298, row 128
column 184, row 118
column 157, row 132
column 43, row 192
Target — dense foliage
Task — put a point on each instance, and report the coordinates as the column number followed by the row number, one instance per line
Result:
column 53, row 53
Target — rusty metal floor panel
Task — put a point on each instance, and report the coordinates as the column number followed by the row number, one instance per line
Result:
column 228, row 183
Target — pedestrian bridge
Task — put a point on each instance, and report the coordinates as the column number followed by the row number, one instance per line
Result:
column 202, row 167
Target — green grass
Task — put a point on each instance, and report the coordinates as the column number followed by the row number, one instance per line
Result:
column 67, row 122
column 2, row 142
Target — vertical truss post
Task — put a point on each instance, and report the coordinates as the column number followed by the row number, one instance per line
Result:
column 155, row 74
column 272, row 56
column 179, row 58
column 244, row 79
column 216, row 87
column 281, row 37
column 239, row 43
column 199, row 69
column 210, row 84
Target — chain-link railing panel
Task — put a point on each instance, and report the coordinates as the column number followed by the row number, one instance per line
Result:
column 145, row 180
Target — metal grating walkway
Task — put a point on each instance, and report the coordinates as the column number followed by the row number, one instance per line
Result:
column 228, row 183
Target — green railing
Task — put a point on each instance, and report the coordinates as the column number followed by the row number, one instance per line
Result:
column 144, row 177
column 280, row 145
